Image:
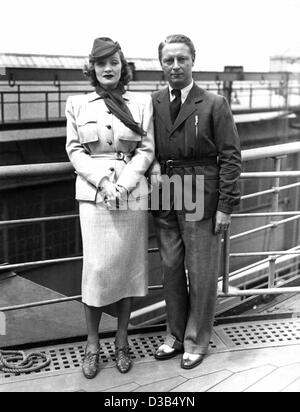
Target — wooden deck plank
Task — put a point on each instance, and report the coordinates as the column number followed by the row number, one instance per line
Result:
column 278, row 380
column 129, row 387
column 282, row 356
column 293, row 387
column 202, row 383
column 156, row 371
column 162, row 386
column 238, row 361
column 240, row 381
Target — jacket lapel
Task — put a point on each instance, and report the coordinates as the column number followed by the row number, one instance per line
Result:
column 163, row 101
column 189, row 106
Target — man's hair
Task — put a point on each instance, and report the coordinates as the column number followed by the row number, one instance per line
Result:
column 177, row 38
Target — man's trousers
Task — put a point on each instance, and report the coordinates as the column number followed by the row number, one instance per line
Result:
column 194, row 246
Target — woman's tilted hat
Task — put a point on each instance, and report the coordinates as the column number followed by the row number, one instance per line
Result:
column 104, row 47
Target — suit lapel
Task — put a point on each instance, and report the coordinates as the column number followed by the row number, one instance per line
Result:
column 163, row 101
column 189, row 106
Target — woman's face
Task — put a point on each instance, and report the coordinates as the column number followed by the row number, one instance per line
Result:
column 108, row 71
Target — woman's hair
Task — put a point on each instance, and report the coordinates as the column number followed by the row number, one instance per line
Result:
column 89, row 70
column 177, row 38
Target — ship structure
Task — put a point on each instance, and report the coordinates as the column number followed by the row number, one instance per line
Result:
column 255, row 345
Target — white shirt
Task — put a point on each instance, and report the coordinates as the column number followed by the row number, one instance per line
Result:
column 184, row 92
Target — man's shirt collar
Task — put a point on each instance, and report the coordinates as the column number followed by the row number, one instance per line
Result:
column 184, row 92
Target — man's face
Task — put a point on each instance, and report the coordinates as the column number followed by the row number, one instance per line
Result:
column 177, row 64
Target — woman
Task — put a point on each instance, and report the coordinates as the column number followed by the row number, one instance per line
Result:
column 110, row 144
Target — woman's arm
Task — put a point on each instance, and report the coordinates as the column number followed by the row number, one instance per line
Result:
column 84, row 165
column 144, row 152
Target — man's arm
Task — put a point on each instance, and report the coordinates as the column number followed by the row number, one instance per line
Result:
column 229, row 153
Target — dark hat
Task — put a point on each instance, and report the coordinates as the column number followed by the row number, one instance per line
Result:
column 104, row 47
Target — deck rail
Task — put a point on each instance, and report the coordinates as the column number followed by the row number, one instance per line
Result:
column 247, row 92
column 275, row 152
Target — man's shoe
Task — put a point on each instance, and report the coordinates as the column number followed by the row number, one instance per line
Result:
column 162, row 354
column 90, row 364
column 191, row 363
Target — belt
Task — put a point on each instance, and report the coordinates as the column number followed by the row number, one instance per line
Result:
column 170, row 164
column 113, row 156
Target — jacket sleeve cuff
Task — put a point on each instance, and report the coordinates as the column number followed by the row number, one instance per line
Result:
column 224, row 207
column 101, row 180
column 154, row 169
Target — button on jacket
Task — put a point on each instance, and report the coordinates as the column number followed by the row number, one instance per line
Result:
column 97, row 140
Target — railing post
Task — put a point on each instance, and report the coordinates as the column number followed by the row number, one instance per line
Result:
column 275, row 208
column 227, row 91
column 272, row 271
column 2, row 107
column 47, row 106
column 5, row 234
column 19, row 102
column 270, row 94
column 59, row 98
column 250, row 96
column 275, row 196
column 296, row 238
column 226, row 250
column 43, row 227
column 77, row 237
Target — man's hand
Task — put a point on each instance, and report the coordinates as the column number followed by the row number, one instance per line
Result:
column 222, row 222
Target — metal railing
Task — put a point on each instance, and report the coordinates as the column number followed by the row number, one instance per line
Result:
column 49, row 104
column 245, row 91
column 275, row 152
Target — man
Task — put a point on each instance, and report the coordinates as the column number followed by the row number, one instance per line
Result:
column 195, row 136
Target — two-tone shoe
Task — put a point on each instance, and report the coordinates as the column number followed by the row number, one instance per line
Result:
column 188, row 363
column 163, row 354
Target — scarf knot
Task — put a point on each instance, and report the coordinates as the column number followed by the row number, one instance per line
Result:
column 117, row 106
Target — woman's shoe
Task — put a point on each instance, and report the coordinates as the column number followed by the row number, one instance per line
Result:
column 90, row 364
column 123, row 360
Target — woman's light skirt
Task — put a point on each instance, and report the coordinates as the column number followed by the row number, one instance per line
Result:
column 115, row 256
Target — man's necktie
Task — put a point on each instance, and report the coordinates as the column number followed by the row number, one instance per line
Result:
column 175, row 104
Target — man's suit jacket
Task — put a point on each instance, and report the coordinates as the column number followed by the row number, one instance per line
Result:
column 204, row 130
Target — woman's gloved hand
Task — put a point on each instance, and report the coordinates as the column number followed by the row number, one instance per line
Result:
column 109, row 192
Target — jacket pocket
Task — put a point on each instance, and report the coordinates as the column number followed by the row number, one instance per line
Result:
column 87, row 131
column 127, row 134
column 123, row 132
column 85, row 190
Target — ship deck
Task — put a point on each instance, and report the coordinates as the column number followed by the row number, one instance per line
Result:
column 258, row 355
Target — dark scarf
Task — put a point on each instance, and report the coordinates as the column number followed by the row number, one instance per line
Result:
column 116, row 104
